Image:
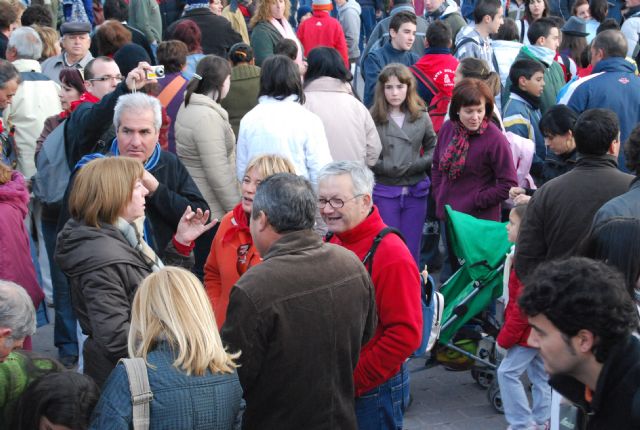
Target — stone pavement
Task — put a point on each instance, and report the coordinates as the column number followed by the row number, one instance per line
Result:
column 442, row 400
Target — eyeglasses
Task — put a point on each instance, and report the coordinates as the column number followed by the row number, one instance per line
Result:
column 335, row 203
column 107, row 78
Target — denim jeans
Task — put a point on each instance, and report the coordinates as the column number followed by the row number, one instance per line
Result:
column 367, row 23
column 64, row 330
column 383, row 407
column 516, row 405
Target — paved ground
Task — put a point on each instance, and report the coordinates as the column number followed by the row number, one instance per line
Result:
column 442, row 400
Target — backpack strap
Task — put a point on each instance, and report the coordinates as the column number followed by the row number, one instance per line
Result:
column 462, row 43
column 141, row 394
column 368, row 258
column 426, row 80
column 169, row 92
column 522, row 30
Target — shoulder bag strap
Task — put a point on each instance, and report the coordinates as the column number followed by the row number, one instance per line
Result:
column 426, row 80
column 368, row 258
column 141, row 394
column 169, row 92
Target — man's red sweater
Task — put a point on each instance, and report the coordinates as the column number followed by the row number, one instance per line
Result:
column 323, row 30
column 397, row 285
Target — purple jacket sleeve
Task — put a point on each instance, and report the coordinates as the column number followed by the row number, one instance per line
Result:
column 504, row 172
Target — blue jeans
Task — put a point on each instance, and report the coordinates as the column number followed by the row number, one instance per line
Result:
column 64, row 330
column 516, row 405
column 383, row 407
column 367, row 23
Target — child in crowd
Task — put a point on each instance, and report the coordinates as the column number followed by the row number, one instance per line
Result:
column 520, row 356
column 408, row 141
column 521, row 112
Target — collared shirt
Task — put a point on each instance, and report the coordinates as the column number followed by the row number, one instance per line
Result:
column 51, row 67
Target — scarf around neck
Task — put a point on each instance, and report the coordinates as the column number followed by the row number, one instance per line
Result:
column 542, row 53
column 532, row 100
column 239, row 223
column 285, row 30
column 131, row 232
column 86, row 97
column 455, row 156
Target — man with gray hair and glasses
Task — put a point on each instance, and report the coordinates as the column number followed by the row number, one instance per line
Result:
column 345, row 201
column 17, row 317
column 299, row 318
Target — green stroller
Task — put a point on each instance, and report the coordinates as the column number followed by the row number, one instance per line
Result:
column 469, row 328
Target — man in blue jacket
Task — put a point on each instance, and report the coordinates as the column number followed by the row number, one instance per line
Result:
column 402, row 30
column 612, row 85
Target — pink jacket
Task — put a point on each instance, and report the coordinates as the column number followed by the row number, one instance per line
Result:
column 15, row 253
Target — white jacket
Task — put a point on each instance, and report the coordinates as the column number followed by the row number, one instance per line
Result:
column 35, row 101
column 286, row 128
column 630, row 29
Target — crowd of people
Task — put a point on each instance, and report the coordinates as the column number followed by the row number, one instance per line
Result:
column 226, row 206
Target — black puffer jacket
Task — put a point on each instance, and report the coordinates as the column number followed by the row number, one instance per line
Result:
column 104, row 272
column 217, row 34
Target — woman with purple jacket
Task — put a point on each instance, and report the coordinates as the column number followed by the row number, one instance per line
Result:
column 472, row 165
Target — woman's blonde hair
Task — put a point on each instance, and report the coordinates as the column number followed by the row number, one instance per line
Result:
column 103, row 188
column 171, row 305
column 270, row 164
column 412, row 105
column 263, row 11
column 50, row 41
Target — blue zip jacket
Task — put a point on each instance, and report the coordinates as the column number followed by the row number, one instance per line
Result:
column 375, row 62
column 616, row 88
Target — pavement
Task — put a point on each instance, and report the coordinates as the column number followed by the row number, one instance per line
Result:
column 442, row 400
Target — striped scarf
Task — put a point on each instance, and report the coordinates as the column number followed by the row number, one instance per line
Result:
column 454, row 157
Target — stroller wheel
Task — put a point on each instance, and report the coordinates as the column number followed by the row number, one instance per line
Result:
column 494, row 397
column 483, row 378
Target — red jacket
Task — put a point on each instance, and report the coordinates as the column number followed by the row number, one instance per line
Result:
column 440, row 67
column 323, row 30
column 516, row 328
column 397, row 284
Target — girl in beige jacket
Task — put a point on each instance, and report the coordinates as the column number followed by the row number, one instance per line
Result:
column 205, row 142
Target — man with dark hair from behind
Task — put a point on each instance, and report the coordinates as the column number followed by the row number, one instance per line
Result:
column 614, row 84
column 37, row 14
column 561, row 211
column 582, row 319
column 300, row 318
column 628, row 204
column 119, row 11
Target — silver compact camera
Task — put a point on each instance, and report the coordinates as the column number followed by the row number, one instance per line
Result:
column 156, row 73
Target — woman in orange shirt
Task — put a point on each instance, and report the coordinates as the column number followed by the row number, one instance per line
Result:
column 232, row 251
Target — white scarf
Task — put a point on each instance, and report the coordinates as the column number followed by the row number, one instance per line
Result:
column 131, row 232
column 285, row 30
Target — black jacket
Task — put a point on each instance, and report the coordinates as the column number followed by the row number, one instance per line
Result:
column 90, row 127
column 616, row 400
column 560, row 212
column 300, row 319
column 104, row 271
column 217, row 34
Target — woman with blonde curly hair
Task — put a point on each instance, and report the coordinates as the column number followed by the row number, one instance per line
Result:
column 408, row 140
column 269, row 26
column 192, row 378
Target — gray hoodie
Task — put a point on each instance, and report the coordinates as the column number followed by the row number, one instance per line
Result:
column 349, row 16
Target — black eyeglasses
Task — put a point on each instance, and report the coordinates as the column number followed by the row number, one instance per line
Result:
column 107, row 78
column 335, row 203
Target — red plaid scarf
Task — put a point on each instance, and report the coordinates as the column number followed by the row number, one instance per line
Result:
column 454, row 157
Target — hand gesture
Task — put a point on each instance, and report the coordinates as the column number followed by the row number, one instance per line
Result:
column 150, row 182
column 192, row 225
column 137, row 78
column 515, row 192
